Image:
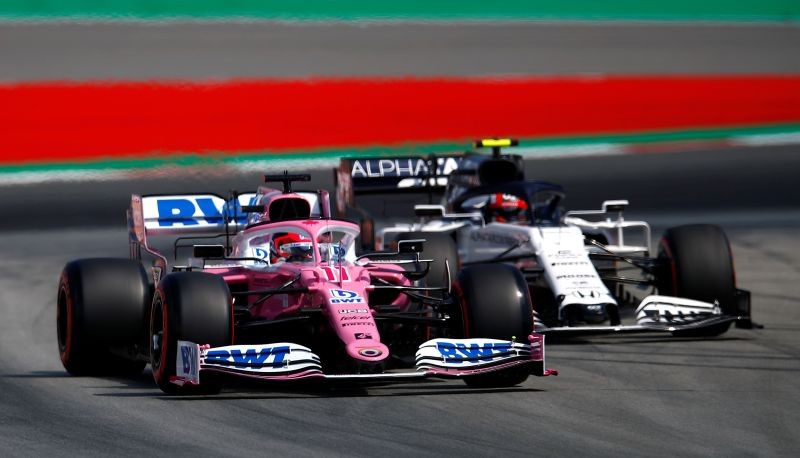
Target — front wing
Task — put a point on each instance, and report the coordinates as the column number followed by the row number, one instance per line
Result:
column 636, row 328
column 441, row 358
column 666, row 314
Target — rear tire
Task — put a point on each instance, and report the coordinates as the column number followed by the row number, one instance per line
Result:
column 191, row 306
column 696, row 263
column 101, row 304
column 495, row 304
column 440, row 247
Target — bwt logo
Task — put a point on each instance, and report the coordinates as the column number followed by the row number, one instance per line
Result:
column 251, row 358
column 212, row 210
column 460, row 353
column 343, row 296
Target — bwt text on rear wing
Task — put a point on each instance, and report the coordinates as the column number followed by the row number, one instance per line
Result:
column 395, row 174
column 193, row 213
column 182, row 215
column 198, row 216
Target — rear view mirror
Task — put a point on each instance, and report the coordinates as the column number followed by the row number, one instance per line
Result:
column 435, row 211
column 614, row 205
column 253, row 208
column 209, row 251
column 410, row 246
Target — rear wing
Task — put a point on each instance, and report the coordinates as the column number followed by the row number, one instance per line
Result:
column 189, row 213
column 423, row 174
column 192, row 216
column 182, row 215
column 387, row 175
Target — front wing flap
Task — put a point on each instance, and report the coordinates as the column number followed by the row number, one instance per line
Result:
column 663, row 314
column 464, row 357
column 635, row 328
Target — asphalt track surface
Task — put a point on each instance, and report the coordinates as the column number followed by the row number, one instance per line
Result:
column 51, row 51
column 648, row 396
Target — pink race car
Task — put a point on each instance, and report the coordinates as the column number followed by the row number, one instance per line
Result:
column 287, row 298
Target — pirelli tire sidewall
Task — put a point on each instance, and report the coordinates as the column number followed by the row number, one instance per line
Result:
column 190, row 306
column 101, row 305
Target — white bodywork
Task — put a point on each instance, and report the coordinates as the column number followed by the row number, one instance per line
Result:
column 559, row 250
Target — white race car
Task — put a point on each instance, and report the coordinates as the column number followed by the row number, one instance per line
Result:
column 582, row 267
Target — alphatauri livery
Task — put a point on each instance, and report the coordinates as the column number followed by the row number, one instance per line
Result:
column 588, row 271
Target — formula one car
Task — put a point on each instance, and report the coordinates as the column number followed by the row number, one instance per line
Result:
column 285, row 298
column 581, row 267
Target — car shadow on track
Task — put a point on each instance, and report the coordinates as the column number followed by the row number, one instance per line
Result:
column 631, row 340
column 237, row 389
column 270, row 392
column 144, row 386
column 39, row 374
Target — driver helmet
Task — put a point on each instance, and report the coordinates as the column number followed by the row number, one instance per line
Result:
column 293, row 247
column 506, row 208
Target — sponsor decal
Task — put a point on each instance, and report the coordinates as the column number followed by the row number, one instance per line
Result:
column 401, row 167
column 249, row 358
column 346, row 311
column 354, row 318
column 186, row 358
column 360, row 323
column 584, row 294
column 567, row 254
column 459, row 352
column 574, row 276
column 493, row 237
column 199, row 210
column 363, row 335
column 344, row 296
column 187, row 361
column 509, row 201
column 570, row 263
column 370, row 352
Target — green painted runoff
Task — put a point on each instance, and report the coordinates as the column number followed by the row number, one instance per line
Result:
column 346, row 10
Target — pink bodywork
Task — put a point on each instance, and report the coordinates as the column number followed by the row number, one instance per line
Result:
column 340, row 289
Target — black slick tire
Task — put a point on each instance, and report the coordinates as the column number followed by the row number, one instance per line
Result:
column 190, row 306
column 495, row 304
column 696, row 263
column 101, row 305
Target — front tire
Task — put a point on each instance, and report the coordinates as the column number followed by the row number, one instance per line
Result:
column 696, row 263
column 101, row 304
column 190, row 306
column 494, row 304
